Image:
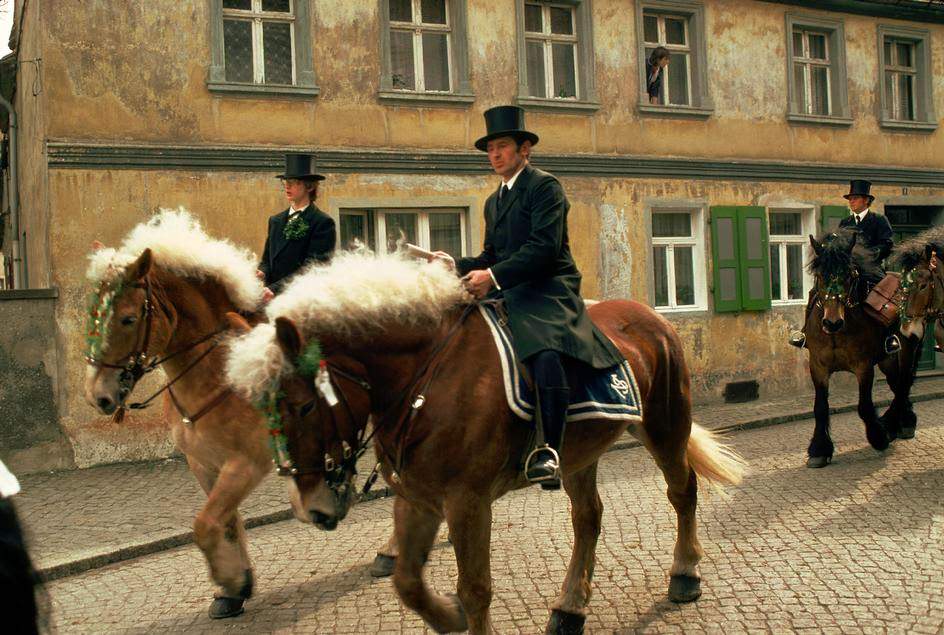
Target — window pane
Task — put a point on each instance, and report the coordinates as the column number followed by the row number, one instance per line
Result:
column 401, row 59
column 904, row 54
column 785, row 224
column 400, row 226
column 725, row 238
column 445, row 234
column 533, row 18
column 282, row 6
column 435, row 61
column 536, row 81
column 820, row 80
column 798, row 43
column 794, row 272
column 684, row 276
column 237, row 50
column 650, row 29
column 277, row 51
column 906, row 97
column 675, row 31
column 890, row 79
column 561, row 21
column 565, row 78
column 353, row 227
column 677, row 79
column 888, row 52
column 433, row 11
column 817, row 46
column 775, row 272
column 660, row 272
column 753, row 235
column 401, row 10
column 244, row 5
column 799, row 87
column 672, row 225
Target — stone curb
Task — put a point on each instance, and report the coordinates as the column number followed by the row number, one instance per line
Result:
column 129, row 552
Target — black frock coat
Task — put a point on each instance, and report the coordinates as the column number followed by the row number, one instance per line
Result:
column 283, row 257
column 527, row 249
column 875, row 232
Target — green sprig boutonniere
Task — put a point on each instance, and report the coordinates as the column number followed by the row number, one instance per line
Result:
column 295, row 228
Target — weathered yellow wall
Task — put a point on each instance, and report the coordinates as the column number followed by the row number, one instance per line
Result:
column 137, row 72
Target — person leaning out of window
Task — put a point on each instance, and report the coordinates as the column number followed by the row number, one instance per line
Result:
column 657, row 61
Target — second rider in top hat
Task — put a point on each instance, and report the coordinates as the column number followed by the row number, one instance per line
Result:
column 300, row 234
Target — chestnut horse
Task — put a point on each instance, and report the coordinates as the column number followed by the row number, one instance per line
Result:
column 448, row 442
column 161, row 300
column 841, row 337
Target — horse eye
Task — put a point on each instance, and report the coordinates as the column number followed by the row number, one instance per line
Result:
column 306, row 409
column 129, row 320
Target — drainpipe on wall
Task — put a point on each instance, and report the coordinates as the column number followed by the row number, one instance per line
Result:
column 18, row 260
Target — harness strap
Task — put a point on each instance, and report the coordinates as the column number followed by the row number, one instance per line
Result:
column 190, row 420
column 144, row 404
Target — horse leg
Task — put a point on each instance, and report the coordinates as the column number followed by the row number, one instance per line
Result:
column 219, row 532
column 469, row 518
column 820, row 451
column 907, row 366
column 416, row 530
column 874, row 430
column 586, row 511
column 385, row 559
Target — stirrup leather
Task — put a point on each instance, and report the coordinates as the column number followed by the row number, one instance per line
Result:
column 556, row 459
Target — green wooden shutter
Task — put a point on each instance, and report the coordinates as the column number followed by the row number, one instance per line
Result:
column 831, row 215
column 753, row 258
column 724, row 250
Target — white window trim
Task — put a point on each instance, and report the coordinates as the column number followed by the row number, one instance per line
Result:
column 419, row 27
column 807, row 227
column 808, row 63
column 257, row 16
column 685, row 49
column 422, row 225
column 700, row 271
column 548, row 39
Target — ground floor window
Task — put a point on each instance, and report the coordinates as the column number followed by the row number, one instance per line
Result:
column 677, row 259
column 441, row 229
column 789, row 228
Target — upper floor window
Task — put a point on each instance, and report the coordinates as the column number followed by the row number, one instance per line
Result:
column 816, row 62
column 905, row 78
column 670, row 32
column 900, row 75
column 811, row 72
column 262, row 46
column 424, row 51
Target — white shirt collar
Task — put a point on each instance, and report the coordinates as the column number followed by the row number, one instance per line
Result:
column 292, row 211
column 510, row 183
column 861, row 215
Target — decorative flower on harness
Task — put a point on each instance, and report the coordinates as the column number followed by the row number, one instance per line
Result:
column 101, row 307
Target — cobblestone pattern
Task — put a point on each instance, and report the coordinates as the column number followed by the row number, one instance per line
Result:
column 855, row 547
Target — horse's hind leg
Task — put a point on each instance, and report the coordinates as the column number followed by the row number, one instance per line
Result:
column 586, row 511
column 415, row 531
column 874, row 430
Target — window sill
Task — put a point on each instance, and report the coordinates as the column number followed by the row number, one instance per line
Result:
column 413, row 98
column 263, row 90
column 775, row 304
column 691, row 112
column 824, row 120
column 914, row 126
column 558, row 105
column 681, row 311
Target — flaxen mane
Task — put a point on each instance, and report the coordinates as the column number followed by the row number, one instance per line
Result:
column 835, row 259
column 181, row 246
column 909, row 253
column 356, row 294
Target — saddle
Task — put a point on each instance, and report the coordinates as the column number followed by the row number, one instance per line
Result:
column 881, row 303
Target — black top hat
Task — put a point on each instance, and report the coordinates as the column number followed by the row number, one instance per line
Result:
column 859, row 187
column 300, row 166
column 505, row 121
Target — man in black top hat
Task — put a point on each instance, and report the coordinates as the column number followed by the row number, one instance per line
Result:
column 527, row 258
column 875, row 232
column 300, row 234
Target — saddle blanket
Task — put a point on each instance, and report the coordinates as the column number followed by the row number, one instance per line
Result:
column 609, row 393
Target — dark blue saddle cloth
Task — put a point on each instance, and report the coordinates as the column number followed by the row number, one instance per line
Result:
column 609, row 393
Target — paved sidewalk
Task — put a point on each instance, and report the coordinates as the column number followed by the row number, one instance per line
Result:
column 85, row 519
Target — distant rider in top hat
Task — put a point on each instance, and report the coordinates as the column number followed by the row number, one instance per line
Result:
column 527, row 258
column 875, row 232
column 300, row 234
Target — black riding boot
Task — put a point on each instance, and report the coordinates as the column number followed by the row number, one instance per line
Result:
column 798, row 338
column 543, row 465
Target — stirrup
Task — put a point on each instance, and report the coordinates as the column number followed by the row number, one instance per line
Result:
column 892, row 344
column 555, row 458
column 798, row 339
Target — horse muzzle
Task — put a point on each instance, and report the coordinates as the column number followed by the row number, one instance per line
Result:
column 324, row 521
column 833, row 326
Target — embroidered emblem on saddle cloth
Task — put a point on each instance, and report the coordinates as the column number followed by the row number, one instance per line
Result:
column 609, row 393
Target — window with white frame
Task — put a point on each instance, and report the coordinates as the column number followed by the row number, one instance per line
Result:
column 678, row 259
column 259, row 41
column 900, row 74
column 420, row 44
column 671, row 32
column 788, row 229
column 442, row 229
column 551, row 50
column 811, row 72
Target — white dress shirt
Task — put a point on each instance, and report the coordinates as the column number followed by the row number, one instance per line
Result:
column 860, row 215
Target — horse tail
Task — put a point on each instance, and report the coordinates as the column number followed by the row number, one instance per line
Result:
column 712, row 460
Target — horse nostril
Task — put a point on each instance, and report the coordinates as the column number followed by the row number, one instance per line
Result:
column 106, row 405
column 324, row 521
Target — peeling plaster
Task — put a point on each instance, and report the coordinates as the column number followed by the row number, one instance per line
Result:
column 616, row 258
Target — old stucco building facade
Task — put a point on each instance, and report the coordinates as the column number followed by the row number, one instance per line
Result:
column 699, row 204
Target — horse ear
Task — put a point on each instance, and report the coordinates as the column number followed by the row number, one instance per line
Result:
column 97, row 245
column 288, row 337
column 817, row 246
column 236, row 322
column 140, row 267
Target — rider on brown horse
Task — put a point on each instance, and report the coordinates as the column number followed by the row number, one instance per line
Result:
column 526, row 258
column 874, row 231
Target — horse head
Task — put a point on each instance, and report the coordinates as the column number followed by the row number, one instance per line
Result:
column 837, row 277
column 124, row 330
column 923, row 287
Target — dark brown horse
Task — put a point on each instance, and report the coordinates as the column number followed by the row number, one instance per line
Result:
column 841, row 337
column 449, row 444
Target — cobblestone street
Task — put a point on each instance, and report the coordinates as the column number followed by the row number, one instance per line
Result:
column 855, row 547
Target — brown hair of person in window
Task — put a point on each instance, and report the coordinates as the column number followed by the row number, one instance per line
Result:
column 658, row 59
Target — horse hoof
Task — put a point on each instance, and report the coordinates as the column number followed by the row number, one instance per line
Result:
column 878, row 438
column 462, row 623
column 382, row 566
column 563, row 623
column 906, row 433
column 226, row 607
column 818, row 461
column 246, row 591
column 684, row 588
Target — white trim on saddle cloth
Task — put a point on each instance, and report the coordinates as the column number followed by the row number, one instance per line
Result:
column 612, row 393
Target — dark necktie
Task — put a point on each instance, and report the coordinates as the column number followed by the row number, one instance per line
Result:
column 858, row 220
column 502, row 193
